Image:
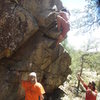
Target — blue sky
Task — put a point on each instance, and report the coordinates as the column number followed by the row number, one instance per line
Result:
column 78, row 41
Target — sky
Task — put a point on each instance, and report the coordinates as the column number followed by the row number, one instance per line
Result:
column 71, row 4
column 78, row 41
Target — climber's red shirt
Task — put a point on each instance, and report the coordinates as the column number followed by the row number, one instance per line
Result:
column 64, row 15
column 32, row 91
column 63, row 24
column 89, row 95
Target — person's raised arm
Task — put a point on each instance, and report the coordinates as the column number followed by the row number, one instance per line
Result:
column 83, row 83
column 81, row 80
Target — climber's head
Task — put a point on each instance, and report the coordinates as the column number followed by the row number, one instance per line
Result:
column 92, row 85
column 65, row 10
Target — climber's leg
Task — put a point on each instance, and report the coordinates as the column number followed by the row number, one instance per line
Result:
column 60, row 39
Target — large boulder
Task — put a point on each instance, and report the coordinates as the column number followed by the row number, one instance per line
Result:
column 29, row 30
column 16, row 26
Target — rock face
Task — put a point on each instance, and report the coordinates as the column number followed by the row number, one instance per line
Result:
column 29, row 30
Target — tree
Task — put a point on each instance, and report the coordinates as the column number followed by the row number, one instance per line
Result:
column 86, row 20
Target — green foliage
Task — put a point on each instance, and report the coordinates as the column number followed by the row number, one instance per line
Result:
column 91, row 60
column 75, row 55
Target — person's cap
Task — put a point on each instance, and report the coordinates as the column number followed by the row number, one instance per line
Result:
column 32, row 74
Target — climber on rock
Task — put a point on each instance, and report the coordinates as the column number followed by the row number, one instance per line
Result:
column 63, row 24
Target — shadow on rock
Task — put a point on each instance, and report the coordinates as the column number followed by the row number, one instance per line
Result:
column 55, row 95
